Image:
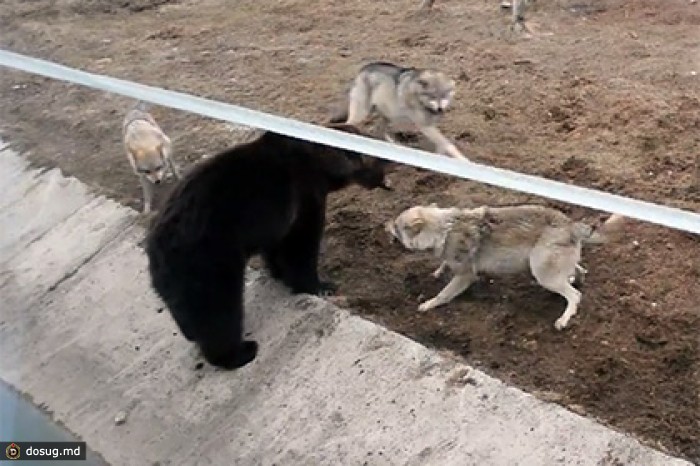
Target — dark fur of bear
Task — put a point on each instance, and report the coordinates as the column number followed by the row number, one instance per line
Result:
column 264, row 197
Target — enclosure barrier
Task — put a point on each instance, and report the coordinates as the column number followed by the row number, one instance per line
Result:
column 633, row 208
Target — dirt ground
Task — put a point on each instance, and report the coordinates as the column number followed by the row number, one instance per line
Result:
column 609, row 100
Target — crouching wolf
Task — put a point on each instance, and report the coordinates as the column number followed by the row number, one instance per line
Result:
column 148, row 150
column 267, row 197
column 402, row 97
column 501, row 240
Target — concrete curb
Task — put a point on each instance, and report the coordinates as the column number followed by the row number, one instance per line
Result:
column 83, row 334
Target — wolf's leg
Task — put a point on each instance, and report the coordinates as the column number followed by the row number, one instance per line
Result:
column 359, row 105
column 173, row 169
column 457, row 286
column 552, row 267
column 518, row 23
column 147, row 189
column 166, row 152
column 573, row 298
column 442, row 144
column 579, row 275
column 384, row 129
column 440, row 270
column 518, row 7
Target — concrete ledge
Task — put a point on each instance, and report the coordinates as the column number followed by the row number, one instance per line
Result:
column 41, row 265
column 84, row 337
column 33, row 202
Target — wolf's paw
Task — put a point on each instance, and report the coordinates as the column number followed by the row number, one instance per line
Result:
column 426, row 306
column 561, row 323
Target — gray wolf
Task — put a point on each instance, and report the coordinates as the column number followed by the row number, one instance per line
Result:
column 516, row 6
column 402, row 97
column 267, row 197
column 502, row 240
column 148, row 149
column 518, row 14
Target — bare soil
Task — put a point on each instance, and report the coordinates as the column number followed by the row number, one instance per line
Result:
column 609, row 100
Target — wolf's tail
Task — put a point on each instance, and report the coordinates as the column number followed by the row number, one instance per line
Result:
column 603, row 232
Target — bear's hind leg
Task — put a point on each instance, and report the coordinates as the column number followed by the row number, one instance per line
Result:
column 297, row 254
column 273, row 264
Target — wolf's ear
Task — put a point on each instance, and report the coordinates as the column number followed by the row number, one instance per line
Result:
column 488, row 222
column 485, row 228
column 415, row 226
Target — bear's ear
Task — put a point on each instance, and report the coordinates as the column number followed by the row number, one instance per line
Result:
column 384, row 164
column 336, row 164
